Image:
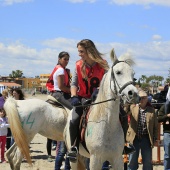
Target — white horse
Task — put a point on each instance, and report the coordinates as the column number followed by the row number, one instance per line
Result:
column 32, row 116
column 104, row 135
column 27, row 118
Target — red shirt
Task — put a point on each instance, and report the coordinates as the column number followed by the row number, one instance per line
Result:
column 94, row 76
column 50, row 82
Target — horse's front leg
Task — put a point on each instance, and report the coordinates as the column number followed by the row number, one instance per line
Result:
column 10, row 155
column 74, row 165
column 117, row 163
column 116, row 159
column 79, row 165
column 95, row 162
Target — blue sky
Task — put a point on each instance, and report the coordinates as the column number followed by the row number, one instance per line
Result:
column 33, row 32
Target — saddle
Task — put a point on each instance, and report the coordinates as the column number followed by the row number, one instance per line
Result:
column 83, row 122
column 53, row 101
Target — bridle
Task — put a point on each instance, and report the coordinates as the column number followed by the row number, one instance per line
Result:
column 115, row 83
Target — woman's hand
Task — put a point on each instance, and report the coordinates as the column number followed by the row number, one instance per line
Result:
column 75, row 101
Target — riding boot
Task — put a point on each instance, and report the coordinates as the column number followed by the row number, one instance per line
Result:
column 72, row 154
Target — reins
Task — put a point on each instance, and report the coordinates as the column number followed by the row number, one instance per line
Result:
column 96, row 103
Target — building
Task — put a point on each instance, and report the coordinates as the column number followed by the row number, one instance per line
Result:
column 26, row 83
column 43, row 80
column 29, row 83
column 5, row 85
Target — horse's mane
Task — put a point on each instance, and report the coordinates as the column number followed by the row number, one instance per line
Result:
column 99, row 108
column 102, row 95
column 127, row 58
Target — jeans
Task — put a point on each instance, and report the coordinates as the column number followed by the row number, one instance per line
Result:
column 144, row 145
column 87, row 162
column 12, row 140
column 63, row 98
column 60, row 156
column 105, row 165
column 166, row 151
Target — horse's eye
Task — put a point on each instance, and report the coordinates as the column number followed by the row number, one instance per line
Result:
column 118, row 72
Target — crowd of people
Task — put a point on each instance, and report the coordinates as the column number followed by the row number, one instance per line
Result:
column 141, row 132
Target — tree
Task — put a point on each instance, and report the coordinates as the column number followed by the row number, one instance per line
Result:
column 168, row 79
column 143, row 78
column 151, row 81
column 16, row 74
column 37, row 76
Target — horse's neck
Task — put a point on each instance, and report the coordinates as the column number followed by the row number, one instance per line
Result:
column 108, row 110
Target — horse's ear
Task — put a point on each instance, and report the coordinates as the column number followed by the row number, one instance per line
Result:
column 113, row 56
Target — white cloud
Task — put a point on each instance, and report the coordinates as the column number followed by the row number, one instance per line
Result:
column 141, row 2
column 150, row 58
column 156, row 37
column 146, row 3
column 11, row 2
column 81, row 1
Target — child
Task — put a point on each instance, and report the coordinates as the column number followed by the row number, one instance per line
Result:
column 3, row 133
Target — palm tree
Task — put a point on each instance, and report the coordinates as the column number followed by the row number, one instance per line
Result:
column 143, row 78
column 16, row 74
column 19, row 73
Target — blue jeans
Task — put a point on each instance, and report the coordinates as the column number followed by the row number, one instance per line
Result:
column 166, row 151
column 105, row 165
column 144, row 145
column 12, row 141
column 60, row 156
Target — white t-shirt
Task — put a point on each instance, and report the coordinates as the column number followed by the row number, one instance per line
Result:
column 59, row 71
column 168, row 94
column 3, row 126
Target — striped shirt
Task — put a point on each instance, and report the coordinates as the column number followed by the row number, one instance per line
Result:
column 142, row 128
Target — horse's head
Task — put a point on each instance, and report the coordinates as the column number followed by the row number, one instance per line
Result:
column 122, row 76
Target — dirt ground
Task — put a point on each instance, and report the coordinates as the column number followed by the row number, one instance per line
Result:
column 39, row 152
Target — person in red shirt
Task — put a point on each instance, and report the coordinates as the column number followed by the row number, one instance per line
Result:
column 89, row 71
column 59, row 86
column 86, row 79
column 59, row 81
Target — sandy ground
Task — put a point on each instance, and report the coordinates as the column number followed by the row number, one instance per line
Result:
column 39, row 153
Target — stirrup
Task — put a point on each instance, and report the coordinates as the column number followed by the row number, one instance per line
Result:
column 72, row 154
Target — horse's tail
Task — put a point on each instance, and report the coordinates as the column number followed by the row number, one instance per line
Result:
column 20, row 138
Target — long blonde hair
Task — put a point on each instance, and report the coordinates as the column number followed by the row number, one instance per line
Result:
column 93, row 54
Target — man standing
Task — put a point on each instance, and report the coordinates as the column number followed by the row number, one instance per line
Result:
column 142, row 132
column 165, row 118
